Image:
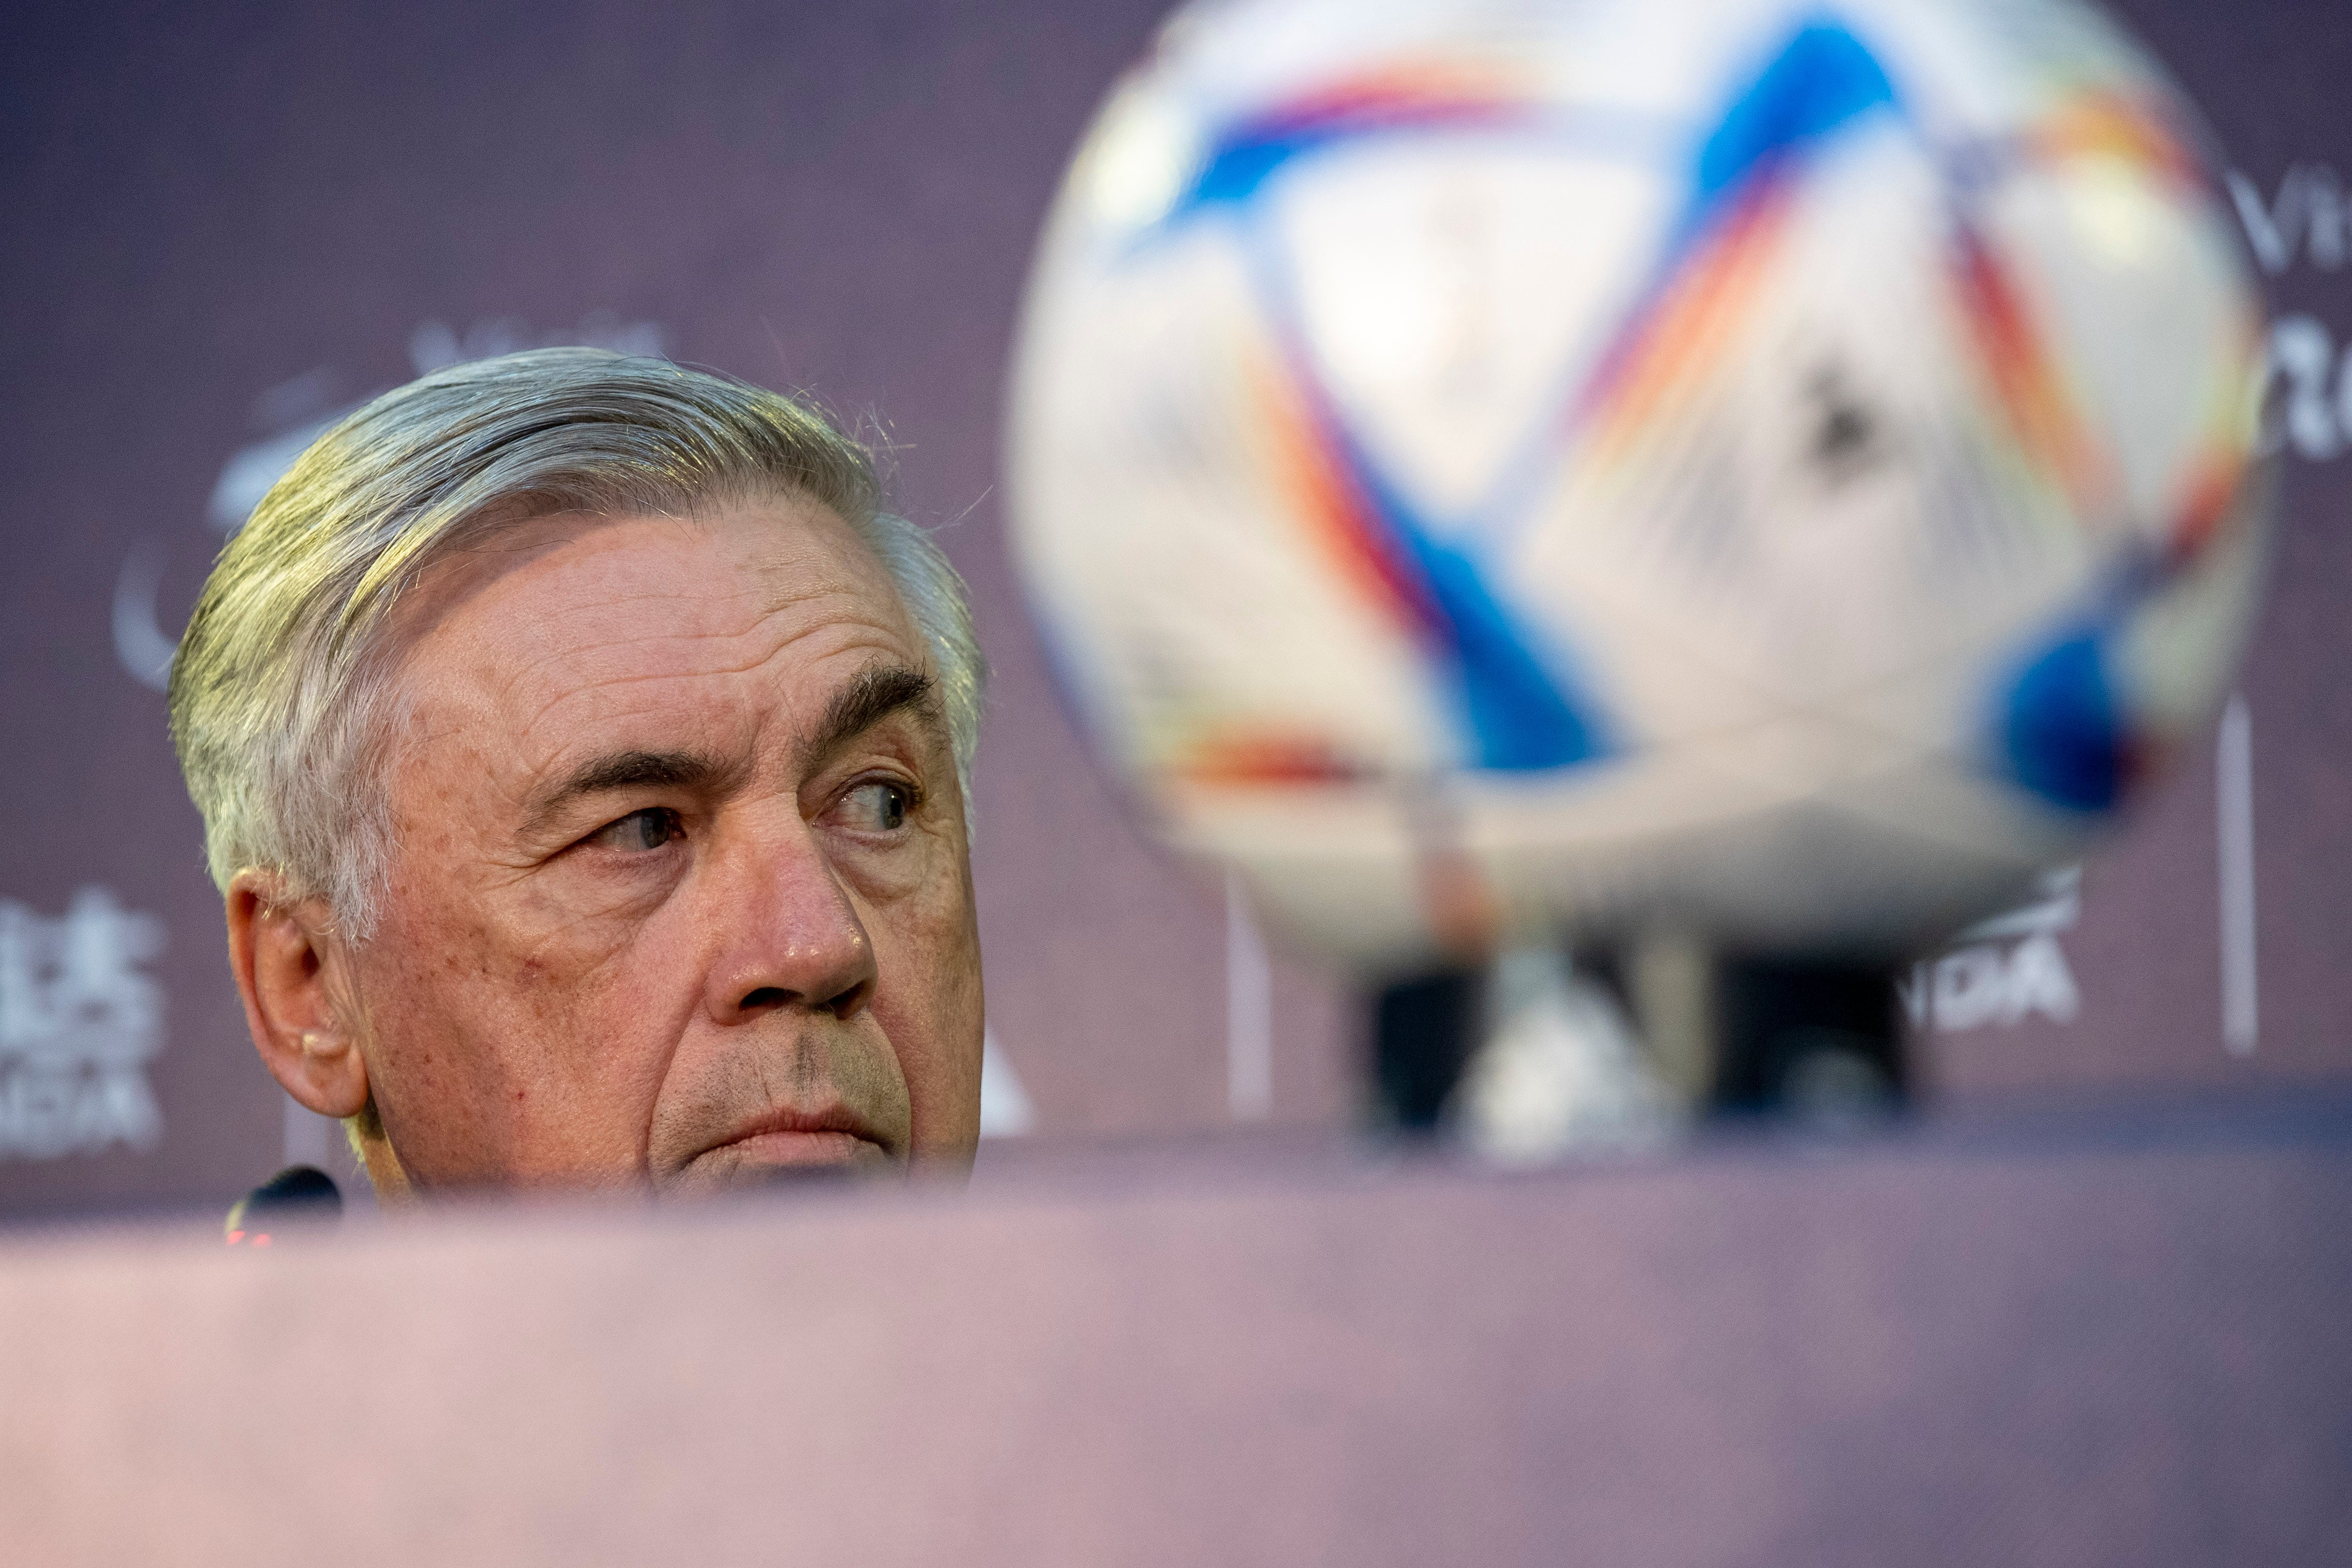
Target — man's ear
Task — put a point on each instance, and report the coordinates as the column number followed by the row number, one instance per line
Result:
column 289, row 965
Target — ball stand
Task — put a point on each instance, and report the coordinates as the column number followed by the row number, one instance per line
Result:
column 1809, row 1039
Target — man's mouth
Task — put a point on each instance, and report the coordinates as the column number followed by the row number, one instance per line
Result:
column 786, row 1141
column 826, row 1148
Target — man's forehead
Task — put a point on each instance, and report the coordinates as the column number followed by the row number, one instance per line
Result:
column 783, row 550
column 660, row 625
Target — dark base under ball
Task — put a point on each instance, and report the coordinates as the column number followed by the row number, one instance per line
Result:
column 1812, row 1039
column 1424, row 1031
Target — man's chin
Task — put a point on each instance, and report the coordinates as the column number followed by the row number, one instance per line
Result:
column 769, row 1159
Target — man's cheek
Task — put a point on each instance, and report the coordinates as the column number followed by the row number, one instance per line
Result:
column 929, row 862
column 923, row 937
column 929, row 964
column 576, row 933
column 578, row 896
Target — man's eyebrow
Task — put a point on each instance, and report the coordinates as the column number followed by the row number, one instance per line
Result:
column 868, row 698
column 630, row 770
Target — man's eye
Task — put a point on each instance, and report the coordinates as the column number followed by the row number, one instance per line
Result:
column 879, row 807
column 641, row 830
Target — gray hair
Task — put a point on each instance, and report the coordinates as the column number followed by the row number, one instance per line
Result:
column 279, row 706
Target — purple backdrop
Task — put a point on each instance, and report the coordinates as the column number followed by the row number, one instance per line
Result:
column 224, row 223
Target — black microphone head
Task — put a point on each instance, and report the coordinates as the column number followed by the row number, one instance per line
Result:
column 298, row 1194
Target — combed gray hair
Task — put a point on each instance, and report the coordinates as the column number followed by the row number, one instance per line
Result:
column 278, row 702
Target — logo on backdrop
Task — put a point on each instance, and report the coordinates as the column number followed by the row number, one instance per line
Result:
column 79, row 1020
column 2304, row 219
column 297, row 413
column 2005, row 970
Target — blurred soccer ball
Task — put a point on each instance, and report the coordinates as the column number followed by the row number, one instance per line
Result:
column 1776, row 468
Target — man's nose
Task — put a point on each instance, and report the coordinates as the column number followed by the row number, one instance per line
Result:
column 791, row 939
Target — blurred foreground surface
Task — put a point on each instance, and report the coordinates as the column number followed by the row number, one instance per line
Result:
column 2068, row 1338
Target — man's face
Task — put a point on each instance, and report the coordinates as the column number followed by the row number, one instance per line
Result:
column 679, row 891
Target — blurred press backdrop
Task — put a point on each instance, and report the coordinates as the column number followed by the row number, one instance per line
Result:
column 226, row 224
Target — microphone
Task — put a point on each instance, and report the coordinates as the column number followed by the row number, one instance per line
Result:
column 300, row 1196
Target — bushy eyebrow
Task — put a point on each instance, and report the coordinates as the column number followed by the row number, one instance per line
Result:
column 863, row 701
column 868, row 698
column 631, row 770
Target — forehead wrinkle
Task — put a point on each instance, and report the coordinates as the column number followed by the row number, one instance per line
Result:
column 757, row 589
column 511, row 681
column 777, row 603
column 480, row 565
column 499, row 683
column 765, row 589
column 548, row 654
column 557, row 700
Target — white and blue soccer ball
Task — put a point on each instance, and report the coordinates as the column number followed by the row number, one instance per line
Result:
column 1558, row 466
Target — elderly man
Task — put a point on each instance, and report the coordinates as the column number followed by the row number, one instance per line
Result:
column 584, row 761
